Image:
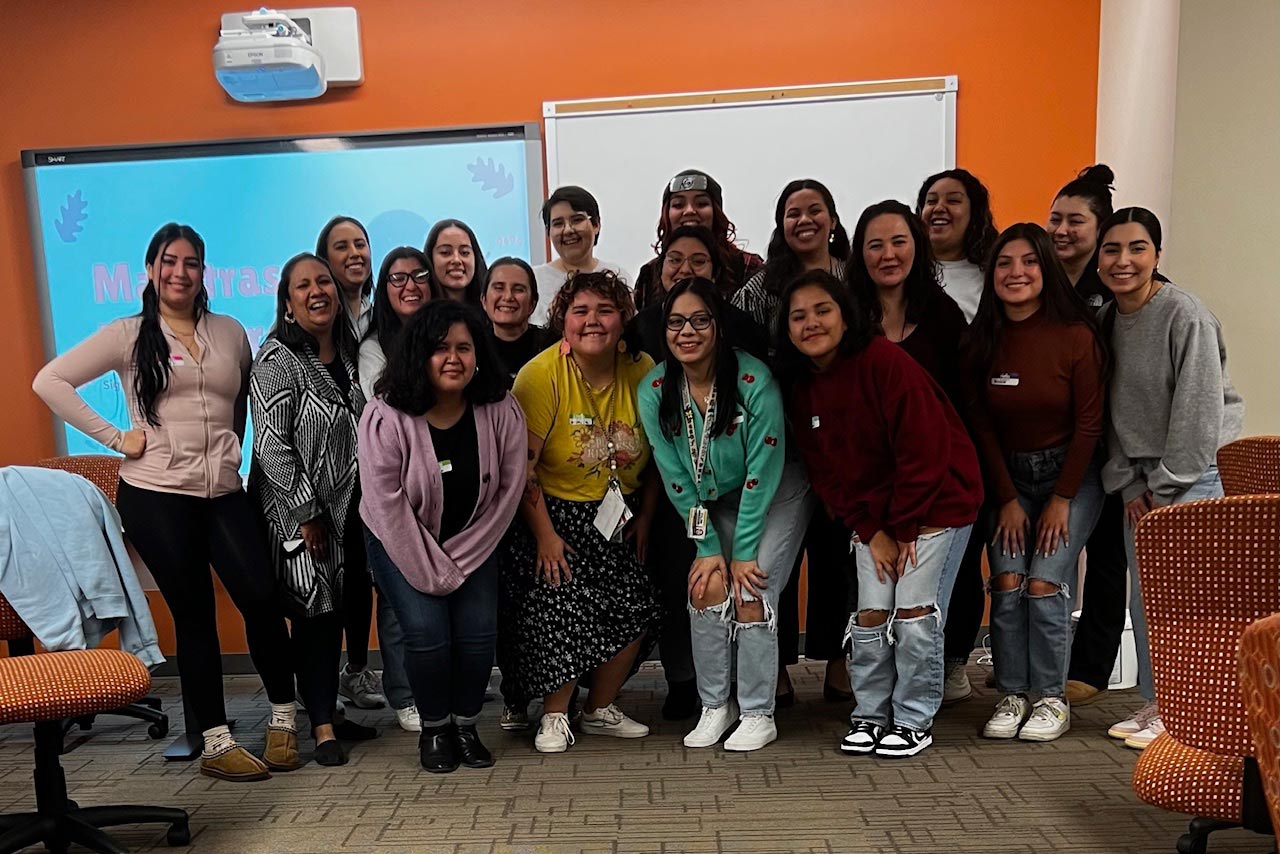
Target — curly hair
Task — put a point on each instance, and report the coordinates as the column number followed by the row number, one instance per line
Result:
column 603, row 283
column 981, row 234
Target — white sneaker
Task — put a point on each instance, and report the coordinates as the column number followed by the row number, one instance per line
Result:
column 363, row 688
column 408, row 719
column 609, row 720
column 753, row 733
column 1139, row 740
column 712, row 726
column 956, row 685
column 553, row 735
column 1050, row 718
column 1136, row 724
column 1011, row 713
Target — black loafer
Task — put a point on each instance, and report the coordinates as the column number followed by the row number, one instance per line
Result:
column 471, row 752
column 438, row 749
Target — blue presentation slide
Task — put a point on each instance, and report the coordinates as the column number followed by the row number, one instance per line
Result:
column 255, row 211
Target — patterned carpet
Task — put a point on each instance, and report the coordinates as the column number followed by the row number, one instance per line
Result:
column 963, row 796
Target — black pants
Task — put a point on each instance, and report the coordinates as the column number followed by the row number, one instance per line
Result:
column 179, row 536
column 832, row 597
column 671, row 554
column 316, row 644
column 357, row 593
column 968, row 600
column 1097, row 640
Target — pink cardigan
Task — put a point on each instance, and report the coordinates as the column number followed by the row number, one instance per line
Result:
column 402, row 490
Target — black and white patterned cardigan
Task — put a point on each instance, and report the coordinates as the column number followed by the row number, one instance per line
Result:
column 304, row 466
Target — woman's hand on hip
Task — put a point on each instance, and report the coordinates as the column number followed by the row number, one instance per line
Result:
column 133, row 443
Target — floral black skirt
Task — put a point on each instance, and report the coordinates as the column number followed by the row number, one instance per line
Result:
column 551, row 635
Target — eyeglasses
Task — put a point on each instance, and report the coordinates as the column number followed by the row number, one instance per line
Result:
column 674, row 260
column 402, row 279
column 700, row 322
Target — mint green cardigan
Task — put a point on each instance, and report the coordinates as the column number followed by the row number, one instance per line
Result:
column 748, row 455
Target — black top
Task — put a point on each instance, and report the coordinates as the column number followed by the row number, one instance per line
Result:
column 935, row 345
column 743, row 332
column 458, row 450
column 514, row 354
column 338, row 372
column 1090, row 287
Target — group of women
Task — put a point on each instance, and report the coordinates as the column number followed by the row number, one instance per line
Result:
column 656, row 463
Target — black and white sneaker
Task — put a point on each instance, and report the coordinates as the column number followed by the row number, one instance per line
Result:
column 900, row 742
column 862, row 738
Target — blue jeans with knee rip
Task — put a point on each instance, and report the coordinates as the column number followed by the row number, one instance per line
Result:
column 715, row 632
column 896, row 668
column 1030, row 632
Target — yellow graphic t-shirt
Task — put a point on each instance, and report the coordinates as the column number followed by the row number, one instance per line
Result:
column 575, row 457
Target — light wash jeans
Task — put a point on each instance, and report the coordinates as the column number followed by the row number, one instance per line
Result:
column 1031, row 634
column 716, row 635
column 896, row 669
column 1208, row 486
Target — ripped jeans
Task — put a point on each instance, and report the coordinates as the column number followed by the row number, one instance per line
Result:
column 715, row 633
column 1031, row 633
column 896, row 668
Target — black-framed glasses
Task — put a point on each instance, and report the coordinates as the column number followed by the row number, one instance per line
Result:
column 700, row 322
column 402, row 279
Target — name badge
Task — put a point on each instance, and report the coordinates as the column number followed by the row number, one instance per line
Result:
column 739, row 418
column 613, row 515
column 446, row 466
column 815, row 423
column 581, row 420
column 1005, row 380
column 696, row 527
column 176, row 359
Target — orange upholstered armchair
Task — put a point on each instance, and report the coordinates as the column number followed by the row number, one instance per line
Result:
column 1209, row 569
column 46, row 688
column 1260, row 680
column 1250, row 466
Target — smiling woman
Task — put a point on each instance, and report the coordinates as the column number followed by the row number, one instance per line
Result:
column 344, row 244
column 571, row 216
column 956, row 208
column 509, row 299
column 457, row 264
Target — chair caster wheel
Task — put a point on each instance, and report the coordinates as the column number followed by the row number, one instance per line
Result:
column 158, row 730
column 178, row 835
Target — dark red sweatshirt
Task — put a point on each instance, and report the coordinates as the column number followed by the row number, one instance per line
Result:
column 884, row 447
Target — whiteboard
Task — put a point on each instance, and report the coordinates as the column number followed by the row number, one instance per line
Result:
column 865, row 141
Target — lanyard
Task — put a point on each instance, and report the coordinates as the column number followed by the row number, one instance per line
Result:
column 595, row 414
column 699, row 452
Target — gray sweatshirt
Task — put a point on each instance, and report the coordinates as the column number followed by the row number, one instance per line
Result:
column 1172, row 403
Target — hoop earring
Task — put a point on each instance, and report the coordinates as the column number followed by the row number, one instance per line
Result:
column 289, row 318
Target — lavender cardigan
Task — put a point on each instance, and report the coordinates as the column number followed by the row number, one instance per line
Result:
column 402, row 491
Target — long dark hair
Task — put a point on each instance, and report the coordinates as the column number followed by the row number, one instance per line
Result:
column 1151, row 223
column 921, row 286
column 322, row 249
column 670, row 405
column 1094, row 185
column 981, row 232
column 406, row 385
column 292, row 335
column 471, row 295
column 151, row 350
column 512, row 261
column 1059, row 301
column 782, row 265
column 792, row 366
column 722, row 228
column 385, row 324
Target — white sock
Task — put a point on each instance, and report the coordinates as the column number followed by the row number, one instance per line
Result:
column 217, row 740
column 284, row 716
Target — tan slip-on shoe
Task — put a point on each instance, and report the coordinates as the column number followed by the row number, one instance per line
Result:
column 234, row 764
column 1082, row 693
column 281, row 753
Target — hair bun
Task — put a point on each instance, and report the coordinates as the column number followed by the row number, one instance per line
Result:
column 1098, row 173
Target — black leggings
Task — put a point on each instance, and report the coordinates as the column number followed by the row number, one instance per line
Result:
column 968, row 600
column 317, row 649
column 1097, row 640
column 357, row 595
column 178, row 537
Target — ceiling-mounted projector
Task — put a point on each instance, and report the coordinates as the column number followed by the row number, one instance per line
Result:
column 288, row 54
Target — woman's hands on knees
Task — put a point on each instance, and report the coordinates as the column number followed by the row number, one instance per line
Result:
column 884, row 552
column 1051, row 528
column 1012, row 529
column 748, row 577
column 703, row 571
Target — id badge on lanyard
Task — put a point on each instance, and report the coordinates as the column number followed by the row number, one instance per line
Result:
column 697, row 522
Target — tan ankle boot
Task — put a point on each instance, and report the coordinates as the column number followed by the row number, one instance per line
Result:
column 281, row 753
column 235, row 764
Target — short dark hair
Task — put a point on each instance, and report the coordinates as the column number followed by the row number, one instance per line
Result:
column 1094, row 185
column 981, row 233
column 292, row 335
column 322, row 245
column 921, row 286
column 384, row 323
column 578, row 199
column 472, row 292
column 511, row 261
column 782, row 265
column 790, row 365
column 670, row 404
column 406, row 385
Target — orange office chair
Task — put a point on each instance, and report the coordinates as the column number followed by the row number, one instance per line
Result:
column 1209, row 569
column 1260, row 681
column 1250, row 466
column 46, row 688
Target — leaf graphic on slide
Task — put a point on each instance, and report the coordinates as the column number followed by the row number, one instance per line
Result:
column 492, row 177
column 73, row 213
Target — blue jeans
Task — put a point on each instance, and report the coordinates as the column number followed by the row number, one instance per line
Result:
column 715, row 634
column 448, row 640
column 896, row 668
column 1031, row 633
column 395, row 681
column 1208, row 486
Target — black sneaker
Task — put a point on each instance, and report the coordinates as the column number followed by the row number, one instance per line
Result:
column 862, row 739
column 899, row 742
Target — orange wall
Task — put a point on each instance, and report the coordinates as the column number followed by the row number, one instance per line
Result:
column 137, row 71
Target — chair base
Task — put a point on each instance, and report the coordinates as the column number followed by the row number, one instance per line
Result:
column 146, row 709
column 1196, row 839
column 59, row 822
